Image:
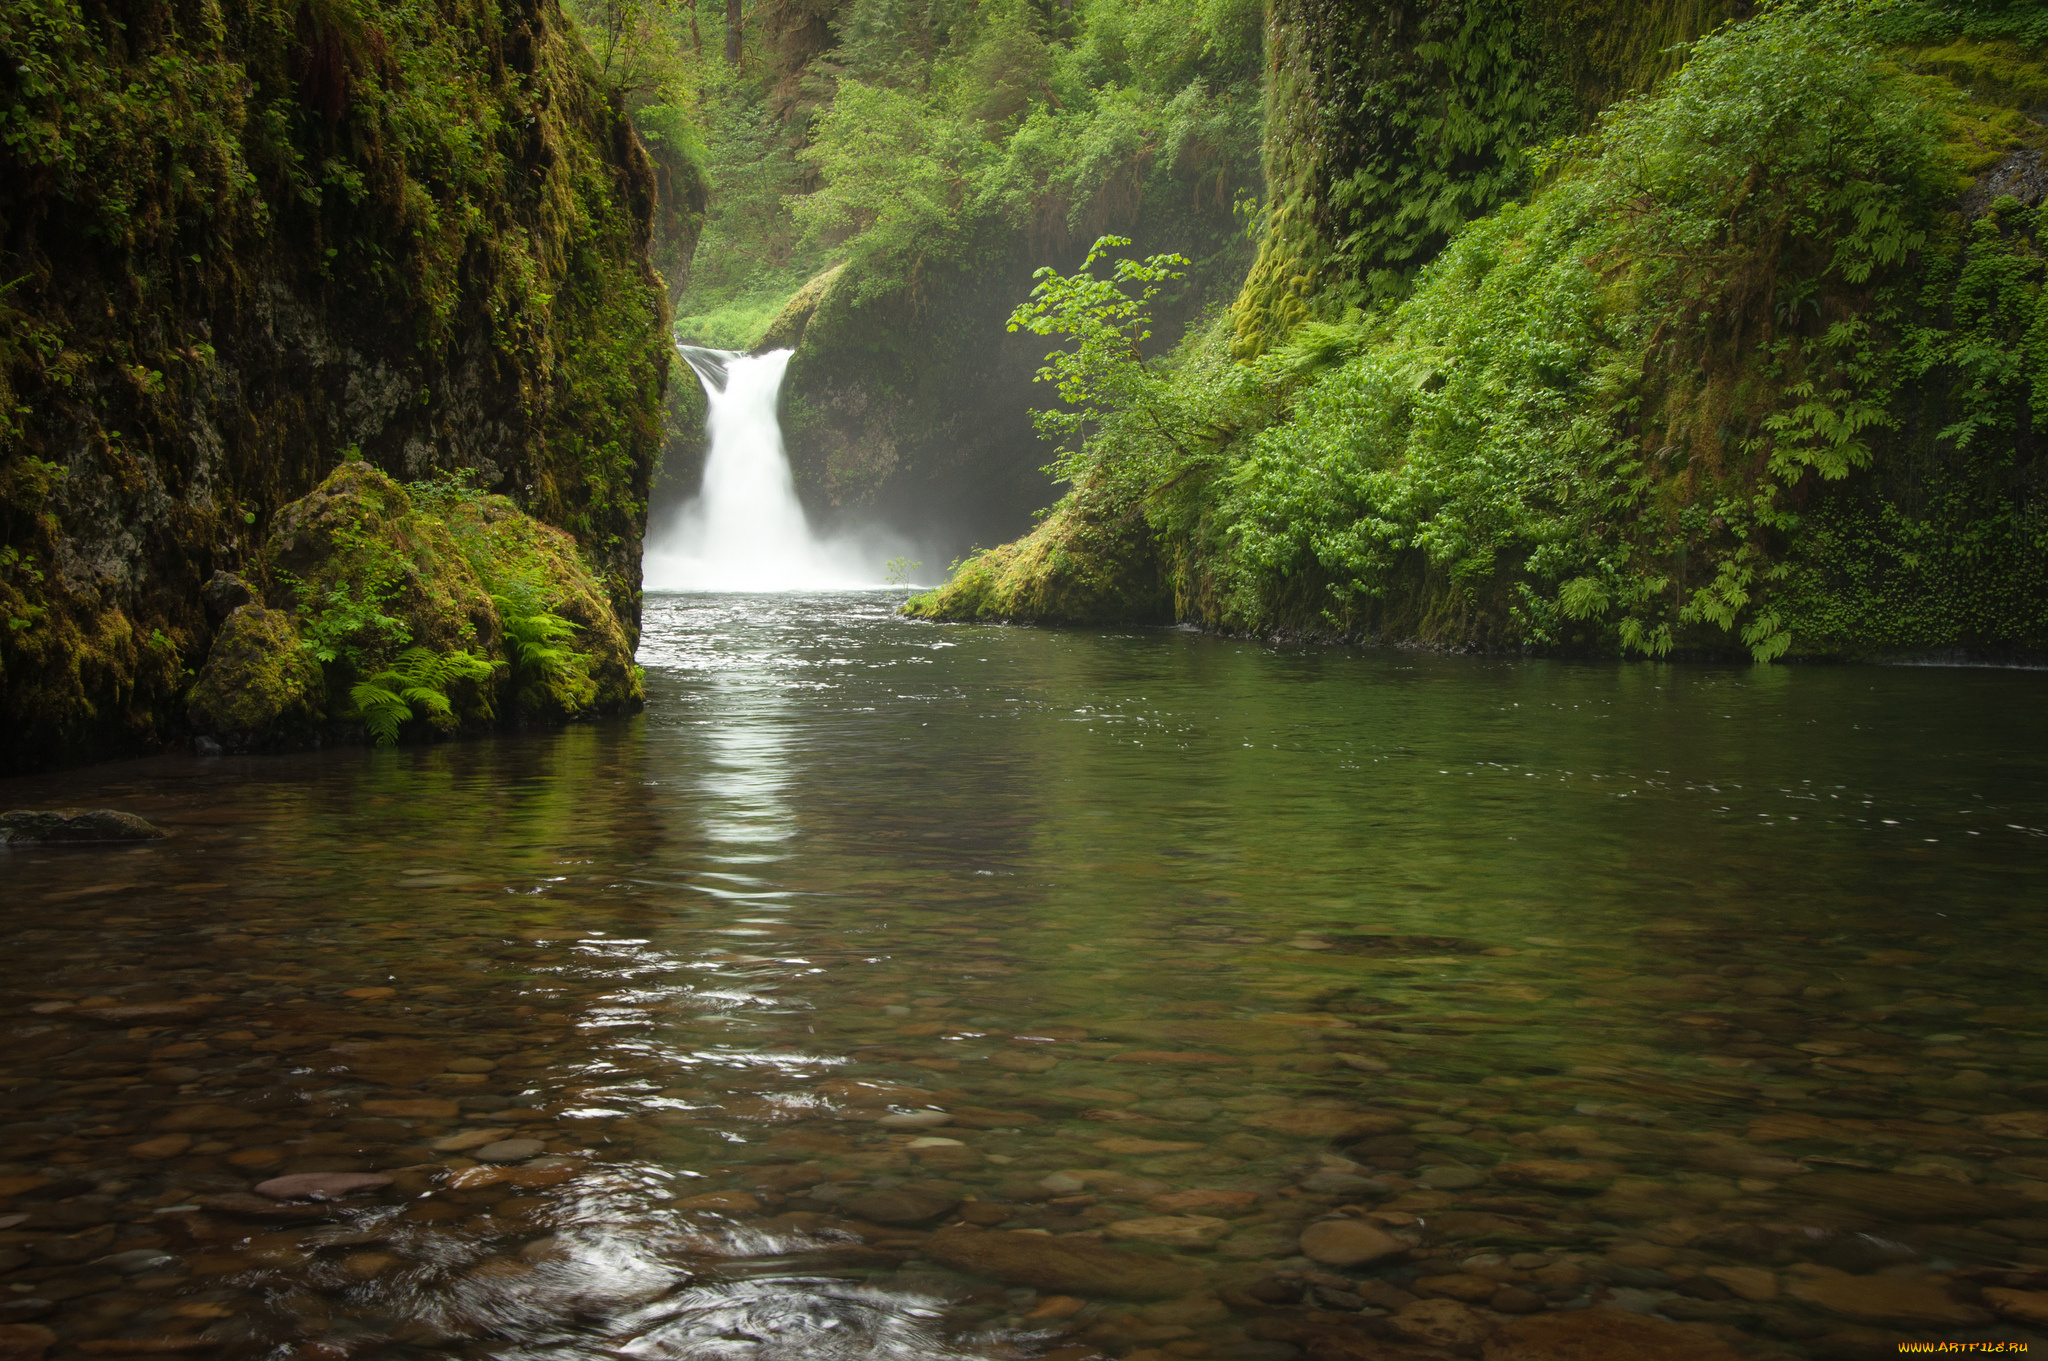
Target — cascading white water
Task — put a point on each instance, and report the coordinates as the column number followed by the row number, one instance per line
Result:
column 745, row 530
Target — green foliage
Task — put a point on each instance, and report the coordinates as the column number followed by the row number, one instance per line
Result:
column 1726, row 374
column 417, row 680
column 898, row 570
column 1106, row 323
column 546, row 674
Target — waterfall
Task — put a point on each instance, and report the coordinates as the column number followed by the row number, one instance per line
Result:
column 745, row 530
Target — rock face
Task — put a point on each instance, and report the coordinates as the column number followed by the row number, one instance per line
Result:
column 1067, row 1265
column 504, row 321
column 61, row 826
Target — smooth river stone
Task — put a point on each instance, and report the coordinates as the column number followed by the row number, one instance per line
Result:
column 1067, row 1265
column 58, row 825
column 1348, row 1242
column 1447, row 1324
column 2028, row 1306
column 914, row 1120
column 417, row 1108
column 510, row 1151
column 1558, row 1174
column 1173, row 1231
column 1602, row 1335
column 393, row 1063
column 466, row 1139
column 1130, row 1145
column 194, row 1119
column 1903, row 1301
column 321, row 1185
column 898, row 1206
column 1899, row 1197
column 1214, row 1202
column 1317, row 1122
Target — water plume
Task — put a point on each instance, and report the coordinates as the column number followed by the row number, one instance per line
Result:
column 745, row 530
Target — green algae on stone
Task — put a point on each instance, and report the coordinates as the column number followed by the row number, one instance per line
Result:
column 364, row 568
column 260, row 685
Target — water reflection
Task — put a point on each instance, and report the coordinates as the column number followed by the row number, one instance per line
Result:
column 802, row 1013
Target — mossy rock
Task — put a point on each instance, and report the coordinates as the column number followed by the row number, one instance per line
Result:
column 788, row 326
column 1090, row 562
column 260, row 686
column 365, row 568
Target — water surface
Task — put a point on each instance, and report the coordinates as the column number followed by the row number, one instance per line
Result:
column 1593, row 984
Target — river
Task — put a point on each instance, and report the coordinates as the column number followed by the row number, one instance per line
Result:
column 760, row 1025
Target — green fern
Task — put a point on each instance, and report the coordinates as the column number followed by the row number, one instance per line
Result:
column 542, row 665
column 385, row 701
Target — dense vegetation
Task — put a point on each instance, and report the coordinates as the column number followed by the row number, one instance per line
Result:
column 240, row 243
column 1742, row 366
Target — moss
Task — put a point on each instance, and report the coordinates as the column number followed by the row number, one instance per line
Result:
column 260, row 686
column 364, row 568
column 1090, row 562
column 788, row 326
column 1390, row 125
column 240, row 242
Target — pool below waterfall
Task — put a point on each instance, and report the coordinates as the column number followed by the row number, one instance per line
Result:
column 898, row 991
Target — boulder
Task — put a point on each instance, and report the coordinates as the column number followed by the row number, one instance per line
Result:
column 1075, row 1266
column 61, row 826
column 260, row 686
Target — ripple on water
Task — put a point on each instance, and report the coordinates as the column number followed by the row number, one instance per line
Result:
column 1296, row 1003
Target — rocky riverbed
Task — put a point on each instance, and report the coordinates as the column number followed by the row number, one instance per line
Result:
column 489, row 1051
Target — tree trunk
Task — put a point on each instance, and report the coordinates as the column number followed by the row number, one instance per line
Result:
column 732, row 32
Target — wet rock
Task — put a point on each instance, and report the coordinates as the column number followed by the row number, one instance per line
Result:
column 258, row 1207
column 148, row 1013
column 161, row 1147
column 2027, row 1306
column 1899, row 1197
column 259, row 684
column 509, row 1151
column 1348, row 1242
column 1450, row 1178
column 914, row 1119
column 1317, row 1122
column 466, row 1139
column 1558, row 1174
column 1187, row 1232
column 321, row 1185
column 1130, row 1145
column 713, row 1202
column 1214, row 1203
column 1745, row 1282
column 1331, row 1182
column 200, row 1119
column 421, row 1108
column 1068, row 1265
column 2012, row 1125
column 66, row 826
column 1457, row 1286
column 394, row 1063
column 1447, row 1324
column 1602, row 1335
column 1903, row 1301
column 899, row 1205
column 1512, row 1299
column 25, row 1341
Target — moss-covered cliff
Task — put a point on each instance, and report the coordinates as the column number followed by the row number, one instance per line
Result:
column 1753, row 365
column 239, row 243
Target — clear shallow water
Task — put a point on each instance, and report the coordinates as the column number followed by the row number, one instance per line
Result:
column 1598, row 984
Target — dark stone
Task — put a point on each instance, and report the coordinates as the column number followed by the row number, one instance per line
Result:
column 224, row 593
column 63, row 826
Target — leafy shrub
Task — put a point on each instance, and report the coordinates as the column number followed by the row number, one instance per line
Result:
column 418, row 679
